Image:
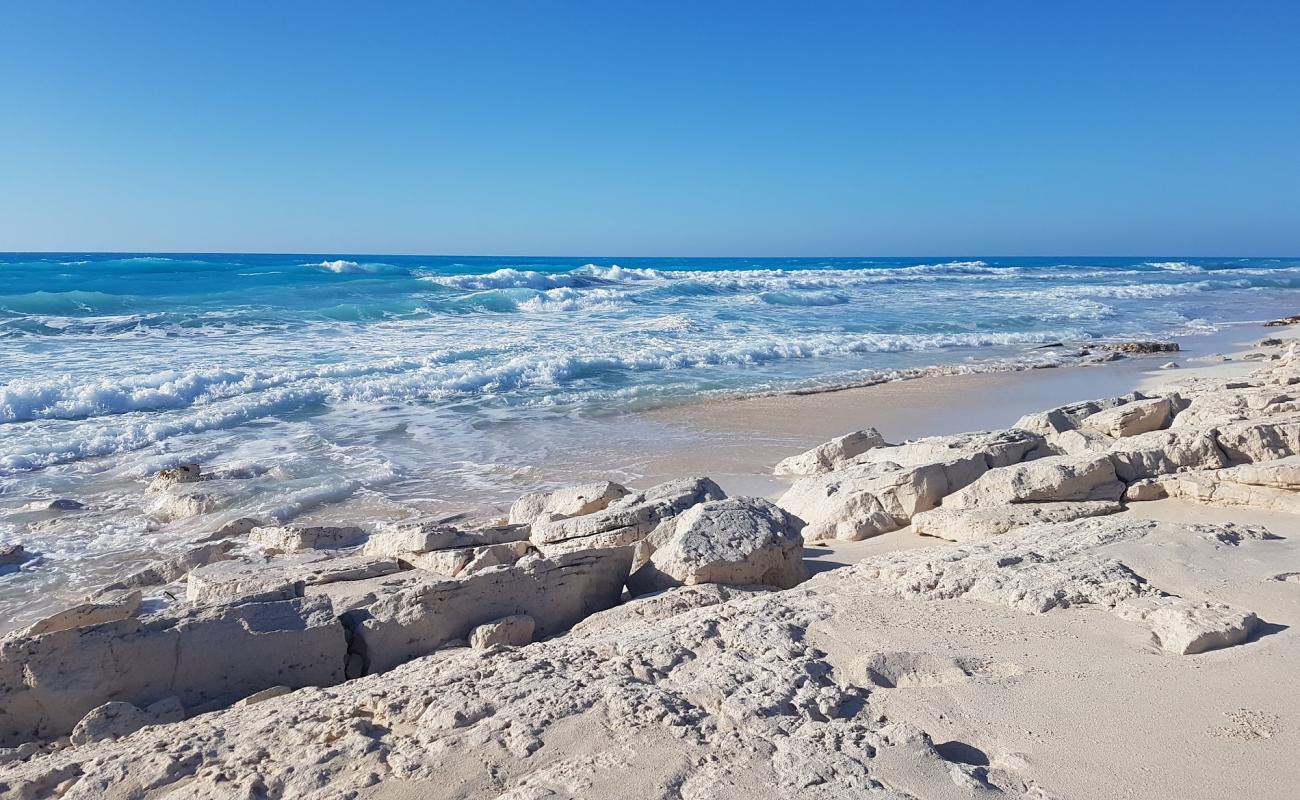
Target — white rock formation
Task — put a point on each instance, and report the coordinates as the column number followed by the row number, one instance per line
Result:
column 116, row 719
column 625, row 522
column 1130, row 419
column 296, row 538
column 203, row 655
column 515, row 630
column 740, row 541
column 1045, row 480
column 831, row 455
column 572, row 501
column 973, row 524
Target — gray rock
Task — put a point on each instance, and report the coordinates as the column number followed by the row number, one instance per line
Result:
column 741, row 541
column 512, row 631
column 625, row 522
column 572, row 501
column 406, row 621
column 202, row 655
column 295, row 538
column 831, row 455
column 116, row 719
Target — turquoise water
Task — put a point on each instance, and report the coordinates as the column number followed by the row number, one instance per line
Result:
column 105, row 354
column 321, row 378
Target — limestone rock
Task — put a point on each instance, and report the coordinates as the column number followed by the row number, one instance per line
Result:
column 572, row 501
column 1277, row 323
column 266, row 694
column 1265, row 440
column 1130, row 419
column 981, row 450
column 237, row 582
column 201, row 655
column 268, row 579
column 512, row 631
column 1213, row 488
column 416, row 619
column 1051, row 479
column 626, row 521
column 1283, row 473
column 295, row 538
column 109, row 607
column 831, row 455
column 662, row 605
column 426, row 535
column 974, row 524
column 495, row 555
column 185, row 500
column 173, row 568
column 55, row 504
column 1145, row 490
column 1150, row 455
column 1187, row 628
column 116, row 719
column 167, row 478
column 864, row 500
column 740, row 541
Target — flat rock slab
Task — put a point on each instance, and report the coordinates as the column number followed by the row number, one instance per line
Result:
column 203, row 656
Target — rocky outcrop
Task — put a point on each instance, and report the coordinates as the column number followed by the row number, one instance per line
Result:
column 1045, row 480
column 1130, row 419
column 865, row 500
column 117, row 719
column 1140, row 348
column 416, row 618
column 296, row 538
column 974, row 524
column 204, row 656
column 1186, row 628
column 107, row 607
column 740, row 541
column 572, row 501
column 625, row 522
column 831, row 455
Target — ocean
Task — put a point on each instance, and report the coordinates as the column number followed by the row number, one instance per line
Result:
column 308, row 380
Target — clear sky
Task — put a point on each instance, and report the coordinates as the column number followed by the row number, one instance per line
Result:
column 651, row 128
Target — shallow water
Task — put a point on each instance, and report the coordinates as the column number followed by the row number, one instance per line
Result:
column 396, row 381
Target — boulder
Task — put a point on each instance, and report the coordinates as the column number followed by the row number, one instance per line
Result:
column 741, row 541
column 569, row 502
column 495, row 555
column 831, row 455
column 1248, row 442
column 974, row 524
column 173, row 568
column 980, row 450
column 182, row 501
column 1184, row 627
column 268, row 579
column 1277, row 323
column 1067, row 417
column 108, row 607
column 55, row 504
column 295, row 538
column 626, row 521
column 12, row 555
column 204, row 656
column 426, row 535
column 515, row 630
column 866, row 499
column 116, row 719
column 167, row 478
column 1051, row 479
column 394, row 626
column 1145, row 490
column 1157, row 453
column 1130, row 419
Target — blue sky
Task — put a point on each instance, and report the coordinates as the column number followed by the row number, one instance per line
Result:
column 666, row 128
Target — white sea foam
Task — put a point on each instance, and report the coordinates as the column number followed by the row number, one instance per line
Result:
column 340, row 266
column 1175, row 266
